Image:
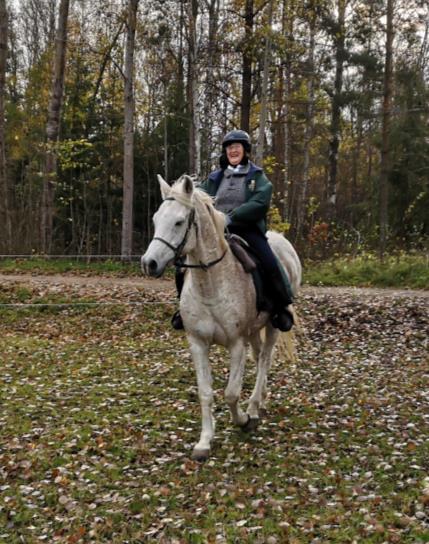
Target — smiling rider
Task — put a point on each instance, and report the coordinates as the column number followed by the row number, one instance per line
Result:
column 243, row 193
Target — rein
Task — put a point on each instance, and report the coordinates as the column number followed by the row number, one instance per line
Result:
column 203, row 266
column 178, row 250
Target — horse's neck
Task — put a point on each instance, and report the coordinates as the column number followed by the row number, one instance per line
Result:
column 211, row 281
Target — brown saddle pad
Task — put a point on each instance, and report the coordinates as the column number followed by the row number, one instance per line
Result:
column 239, row 248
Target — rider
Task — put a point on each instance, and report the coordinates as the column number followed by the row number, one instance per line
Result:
column 243, row 193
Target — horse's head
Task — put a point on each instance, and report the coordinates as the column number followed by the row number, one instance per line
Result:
column 173, row 222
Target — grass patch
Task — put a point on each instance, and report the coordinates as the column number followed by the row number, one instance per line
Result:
column 40, row 265
column 82, row 267
column 402, row 271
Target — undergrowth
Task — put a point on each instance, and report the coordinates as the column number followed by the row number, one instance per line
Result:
column 47, row 265
column 401, row 271
column 406, row 271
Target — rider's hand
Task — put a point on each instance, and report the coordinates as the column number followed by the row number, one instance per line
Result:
column 228, row 220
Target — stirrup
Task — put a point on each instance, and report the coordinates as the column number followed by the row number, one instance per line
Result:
column 176, row 321
column 283, row 320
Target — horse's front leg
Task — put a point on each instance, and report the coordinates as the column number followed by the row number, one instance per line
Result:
column 199, row 350
column 259, row 394
column 235, row 382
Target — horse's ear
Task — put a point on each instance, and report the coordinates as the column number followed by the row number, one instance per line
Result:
column 188, row 185
column 165, row 188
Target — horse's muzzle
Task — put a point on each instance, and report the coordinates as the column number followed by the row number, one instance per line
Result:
column 151, row 267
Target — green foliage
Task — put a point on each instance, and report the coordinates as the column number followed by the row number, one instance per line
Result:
column 404, row 271
column 88, row 187
column 73, row 154
column 401, row 271
column 275, row 221
column 39, row 265
column 409, row 198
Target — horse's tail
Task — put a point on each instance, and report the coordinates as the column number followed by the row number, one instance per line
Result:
column 286, row 343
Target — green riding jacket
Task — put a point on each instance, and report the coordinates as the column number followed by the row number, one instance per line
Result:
column 255, row 209
column 258, row 197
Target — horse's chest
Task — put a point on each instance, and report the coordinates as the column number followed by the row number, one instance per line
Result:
column 219, row 319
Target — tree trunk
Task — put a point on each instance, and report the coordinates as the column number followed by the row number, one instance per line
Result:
column 106, row 57
column 423, row 56
column 194, row 128
column 53, row 129
column 128, row 187
column 246, row 82
column 289, row 186
column 335, row 129
column 308, row 133
column 210, row 98
column 387, row 96
column 356, row 159
column 277, row 177
column 165, row 135
column 263, row 112
column 5, row 219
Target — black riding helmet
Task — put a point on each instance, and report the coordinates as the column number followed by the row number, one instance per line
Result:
column 237, row 136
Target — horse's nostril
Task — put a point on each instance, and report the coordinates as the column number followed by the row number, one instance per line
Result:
column 152, row 266
column 149, row 266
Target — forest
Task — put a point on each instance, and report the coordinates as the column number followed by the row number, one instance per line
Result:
column 99, row 402
column 97, row 98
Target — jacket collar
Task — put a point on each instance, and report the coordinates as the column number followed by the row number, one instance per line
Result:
column 217, row 175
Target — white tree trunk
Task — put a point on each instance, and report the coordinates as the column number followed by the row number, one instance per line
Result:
column 308, row 134
column 210, row 94
column 263, row 113
column 385, row 137
column 195, row 126
column 53, row 128
column 129, row 106
column 5, row 220
column 334, row 142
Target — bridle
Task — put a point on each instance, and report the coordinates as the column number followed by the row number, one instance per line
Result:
column 178, row 262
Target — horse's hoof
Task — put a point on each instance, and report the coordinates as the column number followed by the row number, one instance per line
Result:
column 200, row 455
column 251, row 425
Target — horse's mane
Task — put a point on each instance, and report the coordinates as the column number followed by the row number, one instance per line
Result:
column 201, row 201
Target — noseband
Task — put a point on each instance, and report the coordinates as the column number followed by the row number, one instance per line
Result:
column 178, row 250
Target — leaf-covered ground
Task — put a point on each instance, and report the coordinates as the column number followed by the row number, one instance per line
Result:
column 99, row 413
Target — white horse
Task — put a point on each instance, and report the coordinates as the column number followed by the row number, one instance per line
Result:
column 218, row 301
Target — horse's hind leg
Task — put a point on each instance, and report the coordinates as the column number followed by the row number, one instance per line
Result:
column 199, row 351
column 256, row 345
column 235, row 382
column 259, row 394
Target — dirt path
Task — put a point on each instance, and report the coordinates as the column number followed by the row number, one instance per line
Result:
column 368, row 291
column 167, row 284
column 87, row 281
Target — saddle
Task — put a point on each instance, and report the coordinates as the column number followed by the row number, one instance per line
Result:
column 251, row 265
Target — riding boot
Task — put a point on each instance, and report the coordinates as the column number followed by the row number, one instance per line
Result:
column 176, row 320
column 281, row 316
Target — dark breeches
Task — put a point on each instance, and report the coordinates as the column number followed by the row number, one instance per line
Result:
column 260, row 246
column 276, row 284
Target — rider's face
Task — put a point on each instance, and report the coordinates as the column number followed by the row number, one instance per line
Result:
column 235, row 153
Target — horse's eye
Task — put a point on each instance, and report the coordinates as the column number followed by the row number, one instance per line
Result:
column 179, row 223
